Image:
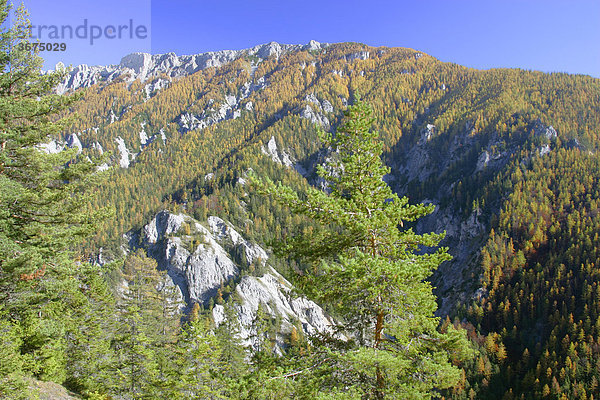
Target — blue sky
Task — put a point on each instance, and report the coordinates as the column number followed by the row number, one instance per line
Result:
column 548, row 35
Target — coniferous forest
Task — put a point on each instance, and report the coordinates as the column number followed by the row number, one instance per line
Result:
column 323, row 221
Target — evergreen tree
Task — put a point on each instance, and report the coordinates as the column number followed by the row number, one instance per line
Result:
column 43, row 210
column 200, row 363
column 89, row 350
column 369, row 268
column 12, row 384
column 147, row 331
column 136, row 364
column 42, row 200
column 232, row 354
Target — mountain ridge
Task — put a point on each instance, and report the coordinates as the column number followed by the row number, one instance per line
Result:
column 143, row 66
column 477, row 144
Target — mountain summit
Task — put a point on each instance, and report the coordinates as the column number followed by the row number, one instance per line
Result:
column 507, row 157
column 144, row 66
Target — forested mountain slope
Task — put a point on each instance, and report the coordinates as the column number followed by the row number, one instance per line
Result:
column 509, row 157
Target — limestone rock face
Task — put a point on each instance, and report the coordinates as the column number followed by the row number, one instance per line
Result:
column 222, row 230
column 361, row 55
column 140, row 63
column 327, row 107
column 74, row 142
column 313, row 45
column 281, row 156
column 156, row 85
column 427, row 134
column 164, row 223
column 313, row 112
column 483, row 160
column 125, row 156
column 467, row 153
column 545, row 131
column 314, row 117
column 230, row 107
column 271, row 150
column 269, row 50
column 200, row 259
column 206, row 269
column 197, row 269
column 144, row 66
column 272, row 293
column 52, row 147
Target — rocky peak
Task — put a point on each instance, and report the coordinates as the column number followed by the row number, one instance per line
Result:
column 140, row 63
column 313, row 45
column 144, row 66
column 269, row 50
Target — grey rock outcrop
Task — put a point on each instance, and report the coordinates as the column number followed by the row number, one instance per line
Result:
column 163, row 224
column 280, row 157
column 197, row 269
column 198, row 260
column 144, row 66
column 251, row 251
column 155, row 86
column 463, row 237
column 427, row 134
column 313, row 45
column 361, row 55
column 125, row 156
column 73, row 142
column 231, row 107
column 467, row 153
column 52, row 147
column 547, row 132
column 482, row 161
column 312, row 111
column 273, row 293
column 315, row 117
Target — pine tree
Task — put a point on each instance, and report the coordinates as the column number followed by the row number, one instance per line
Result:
column 232, row 354
column 148, row 325
column 42, row 207
column 12, row 384
column 199, row 362
column 89, row 350
column 41, row 200
column 367, row 267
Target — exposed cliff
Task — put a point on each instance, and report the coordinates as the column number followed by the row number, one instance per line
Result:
column 200, row 259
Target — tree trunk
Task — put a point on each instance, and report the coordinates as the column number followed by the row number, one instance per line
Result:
column 379, row 393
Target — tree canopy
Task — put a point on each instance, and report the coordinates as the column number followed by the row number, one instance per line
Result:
column 372, row 269
column 43, row 215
